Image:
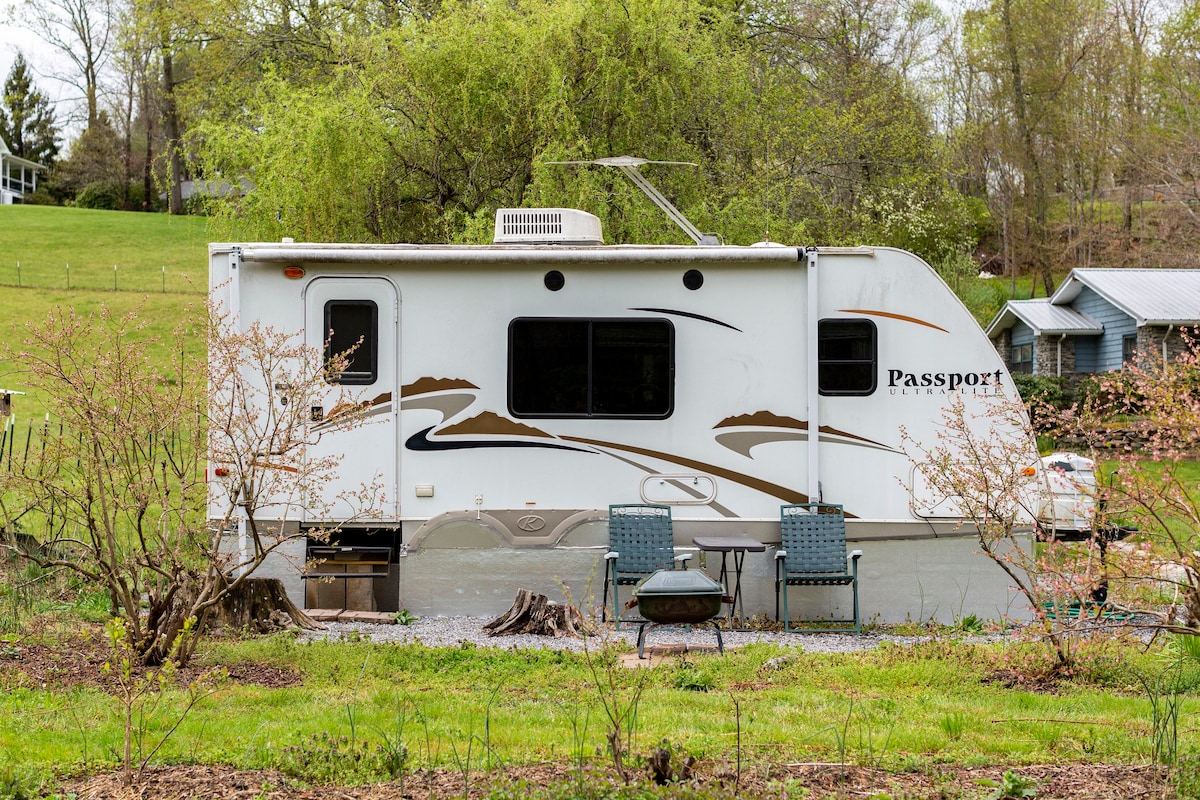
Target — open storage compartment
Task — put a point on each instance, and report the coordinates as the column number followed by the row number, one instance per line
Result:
column 358, row 572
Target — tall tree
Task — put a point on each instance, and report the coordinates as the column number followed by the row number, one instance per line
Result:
column 80, row 30
column 26, row 119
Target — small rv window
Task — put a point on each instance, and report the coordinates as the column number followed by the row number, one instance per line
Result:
column 591, row 368
column 846, row 356
column 353, row 325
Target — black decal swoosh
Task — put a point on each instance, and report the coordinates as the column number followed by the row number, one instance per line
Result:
column 689, row 315
column 420, row 442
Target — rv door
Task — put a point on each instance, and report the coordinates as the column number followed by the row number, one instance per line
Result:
column 358, row 315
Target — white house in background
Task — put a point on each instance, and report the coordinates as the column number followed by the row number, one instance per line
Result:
column 18, row 176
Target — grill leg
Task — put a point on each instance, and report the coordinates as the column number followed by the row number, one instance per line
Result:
column 717, row 629
column 641, row 638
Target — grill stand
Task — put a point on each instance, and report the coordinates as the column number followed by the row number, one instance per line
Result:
column 647, row 624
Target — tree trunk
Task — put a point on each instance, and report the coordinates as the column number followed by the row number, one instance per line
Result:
column 534, row 613
column 259, row 605
column 171, row 128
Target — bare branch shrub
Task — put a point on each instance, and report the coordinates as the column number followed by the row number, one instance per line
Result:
column 121, row 494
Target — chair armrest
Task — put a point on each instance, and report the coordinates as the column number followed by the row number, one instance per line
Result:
column 611, row 554
column 780, row 554
column 855, row 555
column 683, row 558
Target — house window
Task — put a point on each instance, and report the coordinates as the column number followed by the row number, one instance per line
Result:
column 591, row 368
column 1128, row 349
column 847, row 354
column 1022, row 358
column 353, row 329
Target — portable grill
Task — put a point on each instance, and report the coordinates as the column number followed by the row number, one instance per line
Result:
column 678, row 597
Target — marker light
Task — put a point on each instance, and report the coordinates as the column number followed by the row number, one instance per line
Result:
column 293, row 272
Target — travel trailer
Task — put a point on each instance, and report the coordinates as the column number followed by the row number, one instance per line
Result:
column 528, row 384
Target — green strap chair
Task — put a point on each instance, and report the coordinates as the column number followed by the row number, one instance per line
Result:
column 813, row 553
column 640, row 542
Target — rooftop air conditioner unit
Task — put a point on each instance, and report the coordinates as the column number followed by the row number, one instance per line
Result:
column 547, row 226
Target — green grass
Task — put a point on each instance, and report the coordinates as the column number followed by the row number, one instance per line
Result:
column 148, row 249
column 73, row 248
column 886, row 708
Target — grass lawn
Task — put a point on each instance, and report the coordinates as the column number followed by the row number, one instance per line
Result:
column 151, row 251
column 353, row 705
column 60, row 248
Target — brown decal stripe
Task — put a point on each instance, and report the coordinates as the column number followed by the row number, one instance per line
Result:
column 782, row 492
column 489, row 422
column 426, row 385
column 766, row 419
column 890, row 315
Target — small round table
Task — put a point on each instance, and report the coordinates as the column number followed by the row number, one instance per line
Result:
column 739, row 546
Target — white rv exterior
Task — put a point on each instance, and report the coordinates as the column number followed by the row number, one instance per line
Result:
column 526, row 387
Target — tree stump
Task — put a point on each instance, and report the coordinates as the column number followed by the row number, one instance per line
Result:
column 535, row 613
column 260, row 605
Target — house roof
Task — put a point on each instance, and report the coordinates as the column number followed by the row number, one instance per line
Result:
column 1150, row 296
column 1044, row 318
column 7, row 155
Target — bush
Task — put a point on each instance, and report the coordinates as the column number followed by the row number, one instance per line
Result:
column 40, row 198
column 1044, row 390
column 99, row 195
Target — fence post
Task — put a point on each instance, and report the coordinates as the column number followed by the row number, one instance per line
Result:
column 68, row 276
column 114, row 277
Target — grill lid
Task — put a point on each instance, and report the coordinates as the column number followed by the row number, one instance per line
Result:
column 679, row 582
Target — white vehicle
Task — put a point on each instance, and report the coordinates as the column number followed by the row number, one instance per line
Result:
column 529, row 384
column 1068, row 504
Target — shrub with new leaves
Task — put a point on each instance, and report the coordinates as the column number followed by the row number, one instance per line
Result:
column 1146, row 419
column 983, row 465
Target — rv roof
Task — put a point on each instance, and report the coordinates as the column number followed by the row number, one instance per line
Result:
column 523, row 254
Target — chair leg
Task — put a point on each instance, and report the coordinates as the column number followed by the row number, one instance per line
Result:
column 616, row 606
column 857, row 623
column 787, row 617
column 604, row 602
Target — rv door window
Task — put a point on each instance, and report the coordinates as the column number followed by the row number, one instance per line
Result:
column 353, row 327
column 847, row 351
column 591, row 368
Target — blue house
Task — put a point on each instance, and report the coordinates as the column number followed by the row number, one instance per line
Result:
column 1098, row 320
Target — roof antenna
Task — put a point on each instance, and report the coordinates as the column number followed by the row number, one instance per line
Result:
column 629, row 166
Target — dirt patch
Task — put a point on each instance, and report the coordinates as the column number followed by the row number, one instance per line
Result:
column 78, row 661
column 1063, row 782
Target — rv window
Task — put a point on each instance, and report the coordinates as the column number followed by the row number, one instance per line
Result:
column 590, row 368
column 353, row 325
column 846, row 356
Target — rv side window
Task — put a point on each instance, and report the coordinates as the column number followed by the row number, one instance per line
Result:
column 846, row 356
column 353, row 325
column 591, row 368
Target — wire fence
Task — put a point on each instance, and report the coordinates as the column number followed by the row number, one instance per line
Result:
column 24, row 442
column 116, row 277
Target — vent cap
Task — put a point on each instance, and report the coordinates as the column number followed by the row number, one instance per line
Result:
column 547, row 226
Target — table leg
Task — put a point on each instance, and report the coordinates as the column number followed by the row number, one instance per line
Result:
column 723, row 579
column 738, row 559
